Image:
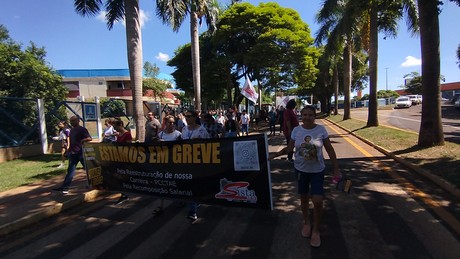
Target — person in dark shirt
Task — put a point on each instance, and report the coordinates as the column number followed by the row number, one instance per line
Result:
column 290, row 121
column 230, row 126
column 78, row 136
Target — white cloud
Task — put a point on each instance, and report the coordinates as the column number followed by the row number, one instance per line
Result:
column 162, row 56
column 144, row 17
column 411, row 62
column 101, row 16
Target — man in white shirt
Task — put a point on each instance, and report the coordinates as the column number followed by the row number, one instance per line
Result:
column 244, row 122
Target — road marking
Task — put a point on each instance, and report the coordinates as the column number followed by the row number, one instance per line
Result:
column 409, row 187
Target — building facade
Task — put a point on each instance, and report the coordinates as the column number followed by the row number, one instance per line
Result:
column 111, row 83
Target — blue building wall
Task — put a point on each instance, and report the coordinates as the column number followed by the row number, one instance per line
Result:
column 103, row 73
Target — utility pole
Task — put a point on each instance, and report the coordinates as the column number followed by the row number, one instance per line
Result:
column 386, row 77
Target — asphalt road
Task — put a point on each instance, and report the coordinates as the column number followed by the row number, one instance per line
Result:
column 390, row 213
column 410, row 118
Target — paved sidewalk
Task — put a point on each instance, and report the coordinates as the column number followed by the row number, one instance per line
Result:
column 29, row 204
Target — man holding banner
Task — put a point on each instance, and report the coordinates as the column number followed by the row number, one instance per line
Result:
column 224, row 171
column 193, row 131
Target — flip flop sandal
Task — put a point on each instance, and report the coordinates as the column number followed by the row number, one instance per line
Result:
column 158, row 211
column 306, row 231
column 315, row 240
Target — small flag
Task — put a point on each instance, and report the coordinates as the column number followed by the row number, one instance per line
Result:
column 249, row 92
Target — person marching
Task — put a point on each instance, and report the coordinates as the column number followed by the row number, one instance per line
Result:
column 124, row 136
column 110, row 134
column 152, row 128
column 168, row 134
column 193, row 131
column 290, row 121
column 64, row 133
column 230, row 126
column 308, row 140
column 272, row 121
column 244, row 123
column 78, row 136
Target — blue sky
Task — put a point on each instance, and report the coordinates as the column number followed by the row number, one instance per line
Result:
column 75, row 42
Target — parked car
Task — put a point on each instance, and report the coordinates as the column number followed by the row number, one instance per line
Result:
column 403, row 102
column 457, row 103
column 415, row 99
column 455, row 98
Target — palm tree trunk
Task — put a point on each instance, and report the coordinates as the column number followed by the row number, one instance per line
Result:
column 372, row 118
column 134, row 45
column 347, row 79
column 335, row 83
column 195, row 46
column 431, row 132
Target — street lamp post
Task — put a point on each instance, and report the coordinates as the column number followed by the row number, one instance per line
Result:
column 386, row 77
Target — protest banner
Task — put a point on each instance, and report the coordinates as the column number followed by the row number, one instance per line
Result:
column 227, row 171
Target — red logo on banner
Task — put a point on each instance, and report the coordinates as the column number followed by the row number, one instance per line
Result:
column 236, row 191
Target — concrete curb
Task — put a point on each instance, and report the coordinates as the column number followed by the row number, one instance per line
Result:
column 48, row 212
column 449, row 187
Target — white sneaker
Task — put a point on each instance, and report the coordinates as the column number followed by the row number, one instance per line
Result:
column 62, row 165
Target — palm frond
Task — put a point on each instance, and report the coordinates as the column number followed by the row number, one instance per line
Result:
column 88, row 7
column 115, row 12
column 172, row 12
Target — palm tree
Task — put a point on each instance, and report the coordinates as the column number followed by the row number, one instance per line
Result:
column 116, row 11
column 174, row 12
column 335, row 28
column 431, row 132
column 368, row 18
column 384, row 17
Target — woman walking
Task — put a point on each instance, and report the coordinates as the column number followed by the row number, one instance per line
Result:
column 308, row 140
column 168, row 134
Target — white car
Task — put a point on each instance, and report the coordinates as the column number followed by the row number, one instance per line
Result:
column 403, row 102
column 415, row 99
column 457, row 103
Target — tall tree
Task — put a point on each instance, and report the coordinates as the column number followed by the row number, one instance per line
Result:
column 174, row 12
column 24, row 73
column 117, row 10
column 335, row 28
column 369, row 18
column 383, row 17
column 151, row 82
column 268, row 43
column 431, row 132
column 215, row 72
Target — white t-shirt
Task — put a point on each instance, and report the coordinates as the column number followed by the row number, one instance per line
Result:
column 244, row 118
column 309, row 148
column 108, row 133
column 170, row 136
column 221, row 120
column 200, row 132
